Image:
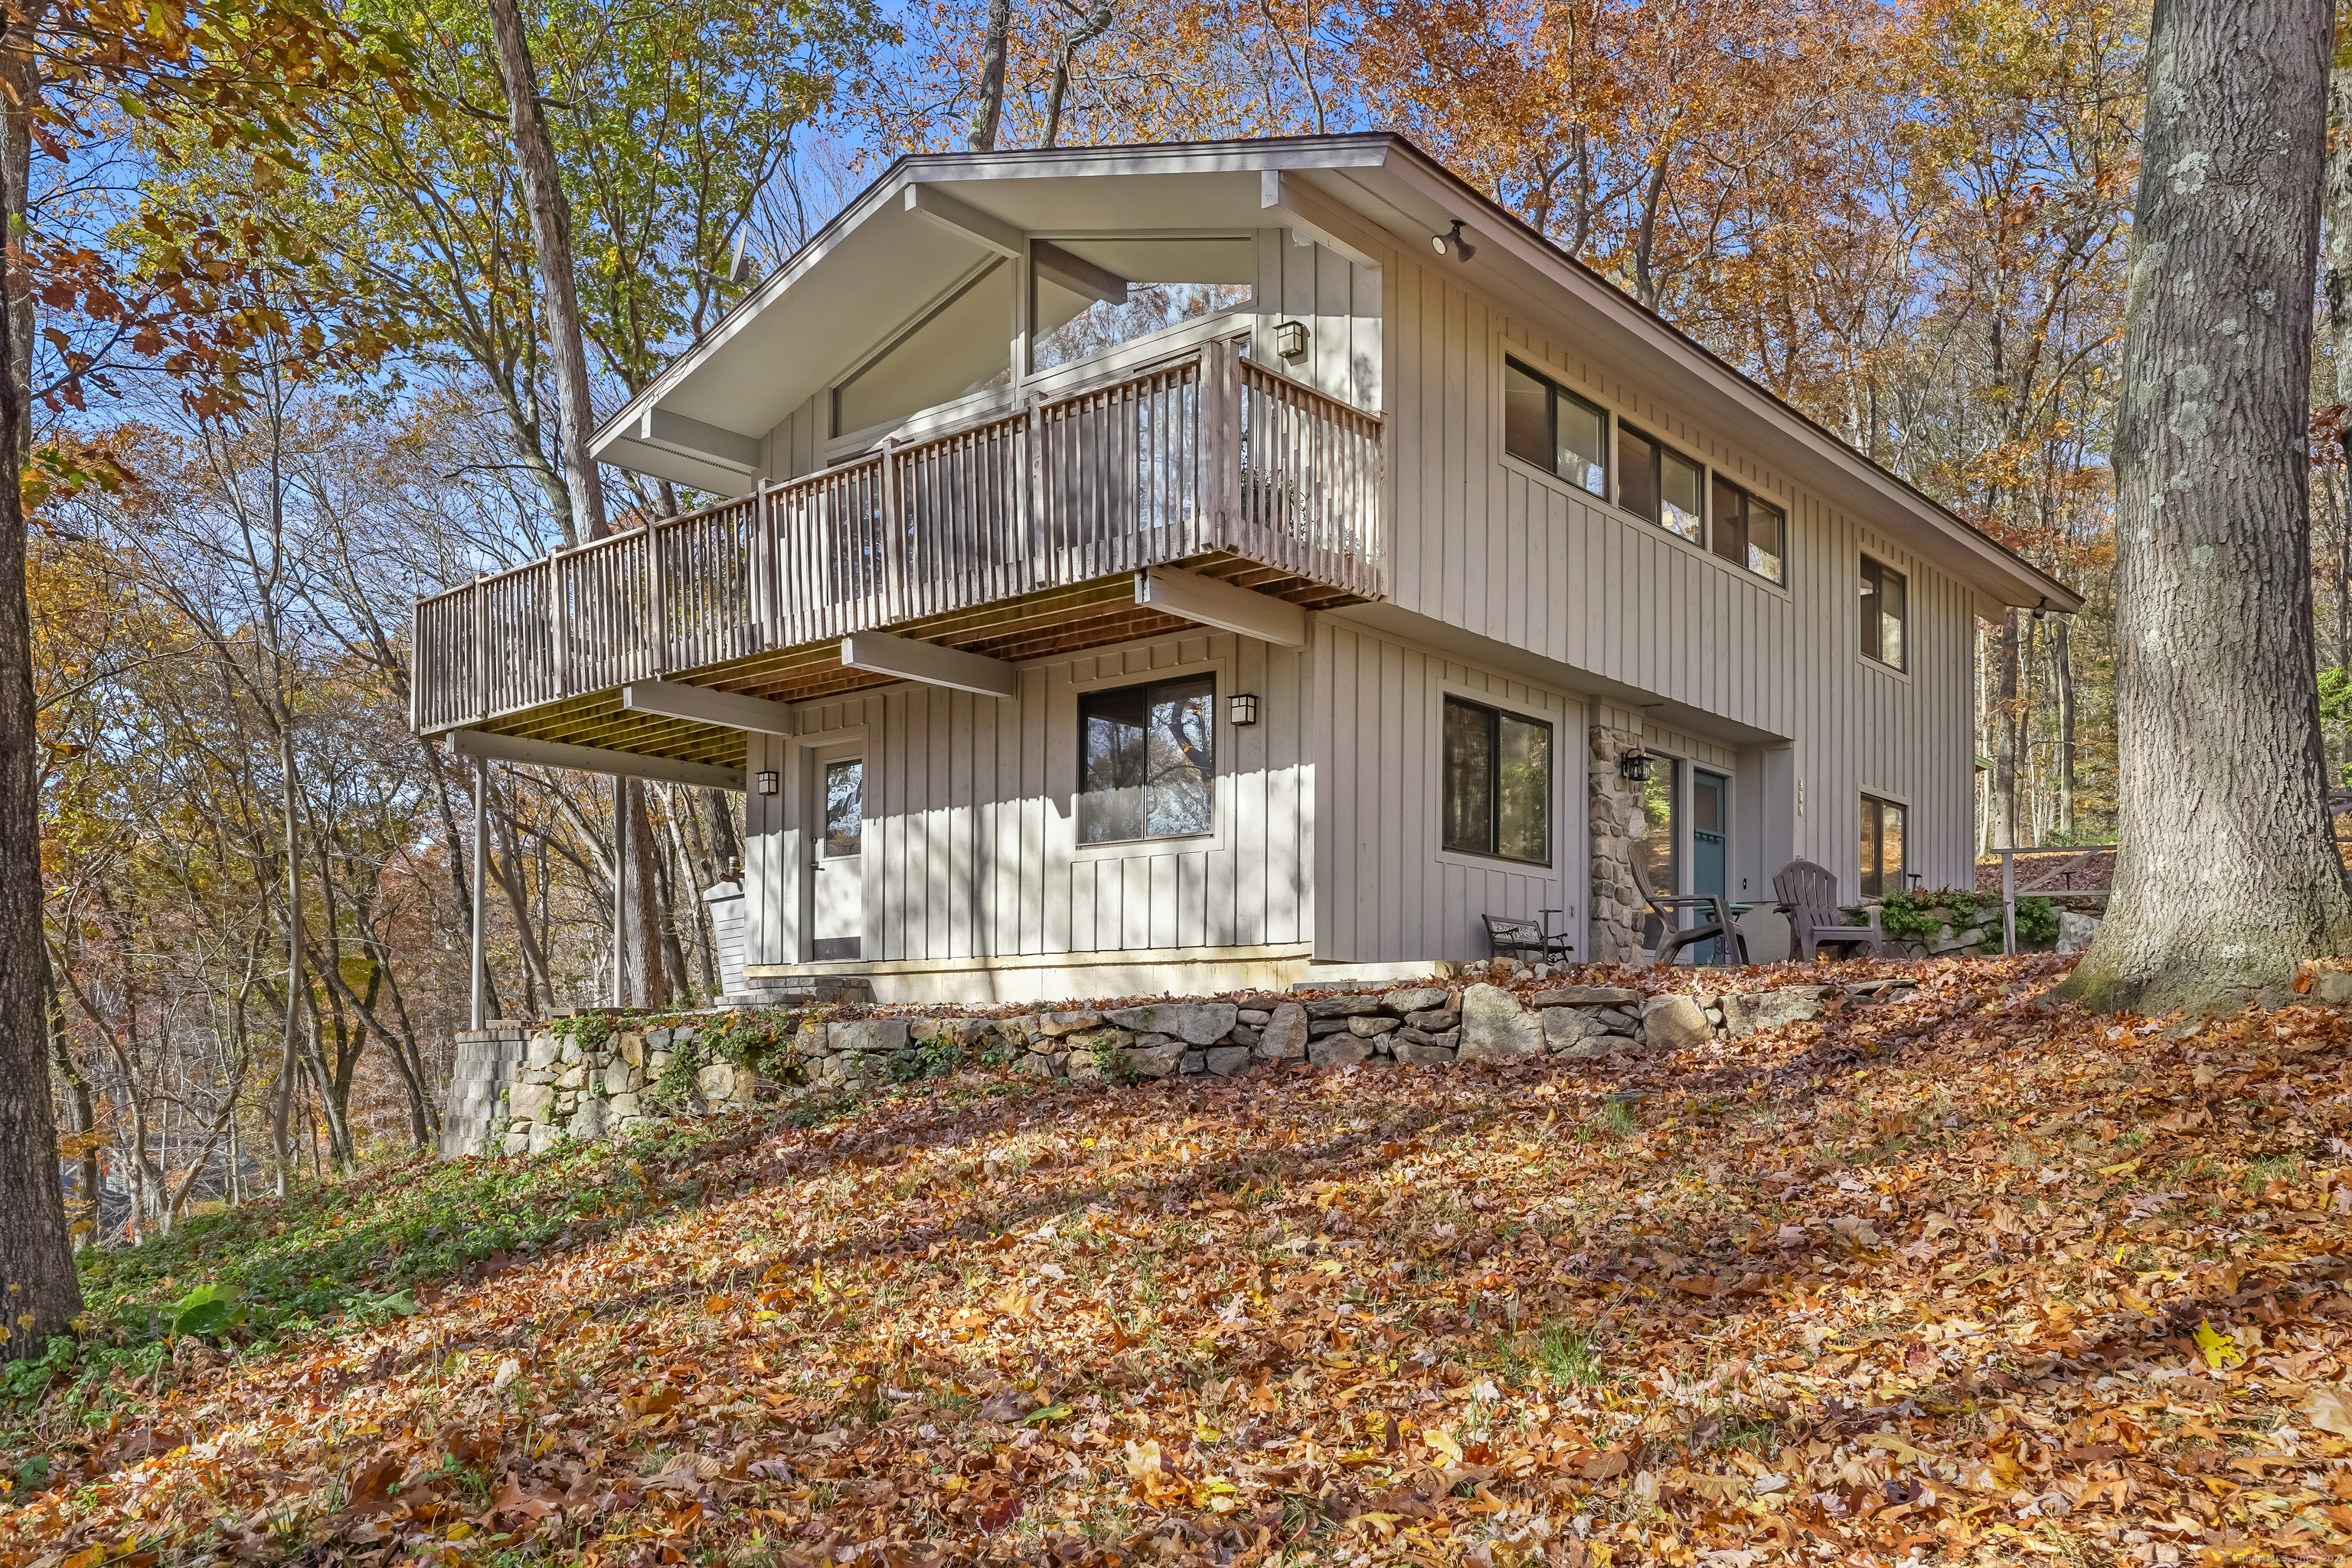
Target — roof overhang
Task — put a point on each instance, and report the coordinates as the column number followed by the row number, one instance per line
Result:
column 931, row 219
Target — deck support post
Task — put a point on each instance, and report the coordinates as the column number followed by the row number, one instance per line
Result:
column 620, row 891
column 2009, row 903
column 477, row 969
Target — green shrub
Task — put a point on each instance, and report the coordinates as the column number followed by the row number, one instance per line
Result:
column 1911, row 915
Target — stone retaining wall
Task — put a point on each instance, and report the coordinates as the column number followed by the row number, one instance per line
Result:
column 555, row 1087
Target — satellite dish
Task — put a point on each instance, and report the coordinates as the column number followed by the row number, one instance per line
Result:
column 739, row 260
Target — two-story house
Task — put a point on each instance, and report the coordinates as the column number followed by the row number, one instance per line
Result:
column 1183, row 567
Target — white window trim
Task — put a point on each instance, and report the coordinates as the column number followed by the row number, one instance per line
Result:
column 1553, row 867
column 1220, row 836
column 1615, row 413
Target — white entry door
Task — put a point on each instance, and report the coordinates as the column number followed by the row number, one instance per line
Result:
column 840, row 857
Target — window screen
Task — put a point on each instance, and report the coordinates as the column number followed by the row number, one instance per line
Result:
column 1748, row 531
column 1145, row 761
column 1882, row 848
column 1495, row 794
column 1553, row 428
column 1092, row 295
column 959, row 348
column 1885, row 611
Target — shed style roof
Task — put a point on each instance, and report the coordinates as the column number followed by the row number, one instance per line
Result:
column 932, row 217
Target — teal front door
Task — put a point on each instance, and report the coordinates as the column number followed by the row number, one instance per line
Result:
column 1710, row 813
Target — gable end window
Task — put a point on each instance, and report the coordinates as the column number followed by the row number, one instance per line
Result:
column 1147, row 760
column 1885, row 613
column 1882, row 848
column 1496, row 788
column 1559, row 431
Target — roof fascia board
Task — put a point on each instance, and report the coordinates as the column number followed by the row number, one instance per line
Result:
column 1987, row 563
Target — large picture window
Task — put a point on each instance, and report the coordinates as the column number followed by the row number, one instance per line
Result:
column 1882, row 848
column 1559, row 431
column 1147, row 760
column 1498, row 784
column 1885, row 609
column 1748, row 531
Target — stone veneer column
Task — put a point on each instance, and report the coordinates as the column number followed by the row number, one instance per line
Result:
column 1614, row 925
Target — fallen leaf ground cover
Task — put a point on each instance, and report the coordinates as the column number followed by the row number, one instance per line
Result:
column 1965, row 1278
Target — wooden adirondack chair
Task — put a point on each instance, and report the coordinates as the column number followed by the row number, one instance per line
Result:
column 1808, row 895
column 1667, row 907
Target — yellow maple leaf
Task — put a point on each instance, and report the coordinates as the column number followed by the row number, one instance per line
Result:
column 2221, row 1351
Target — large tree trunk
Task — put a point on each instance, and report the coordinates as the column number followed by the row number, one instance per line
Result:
column 37, row 1267
column 281, row 1132
column 648, row 918
column 550, row 231
column 2226, row 873
column 990, row 106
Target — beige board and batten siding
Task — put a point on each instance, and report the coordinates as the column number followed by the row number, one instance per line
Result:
column 1387, row 890
column 970, row 848
column 1494, row 546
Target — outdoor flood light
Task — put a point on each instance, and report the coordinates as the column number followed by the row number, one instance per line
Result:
column 1242, row 707
column 1290, row 340
column 1451, row 242
column 1634, row 765
column 767, row 781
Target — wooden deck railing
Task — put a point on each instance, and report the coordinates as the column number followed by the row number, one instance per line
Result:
column 1203, row 453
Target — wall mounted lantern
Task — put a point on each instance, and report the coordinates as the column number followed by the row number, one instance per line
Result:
column 1242, row 707
column 767, row 781
column 1290, row 340
column 1634, row 765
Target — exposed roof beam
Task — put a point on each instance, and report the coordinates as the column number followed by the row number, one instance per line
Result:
column 1211, row 603
column 930, row 663
column 592, row 760
column 1077, row 274
column 964, row 219
column 667, row 432
column 675, row 700
column 1290, row 198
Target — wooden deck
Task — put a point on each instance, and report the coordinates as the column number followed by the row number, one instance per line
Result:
column 1016, row 538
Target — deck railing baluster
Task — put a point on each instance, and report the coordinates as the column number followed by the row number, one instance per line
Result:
column 1206, row 452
